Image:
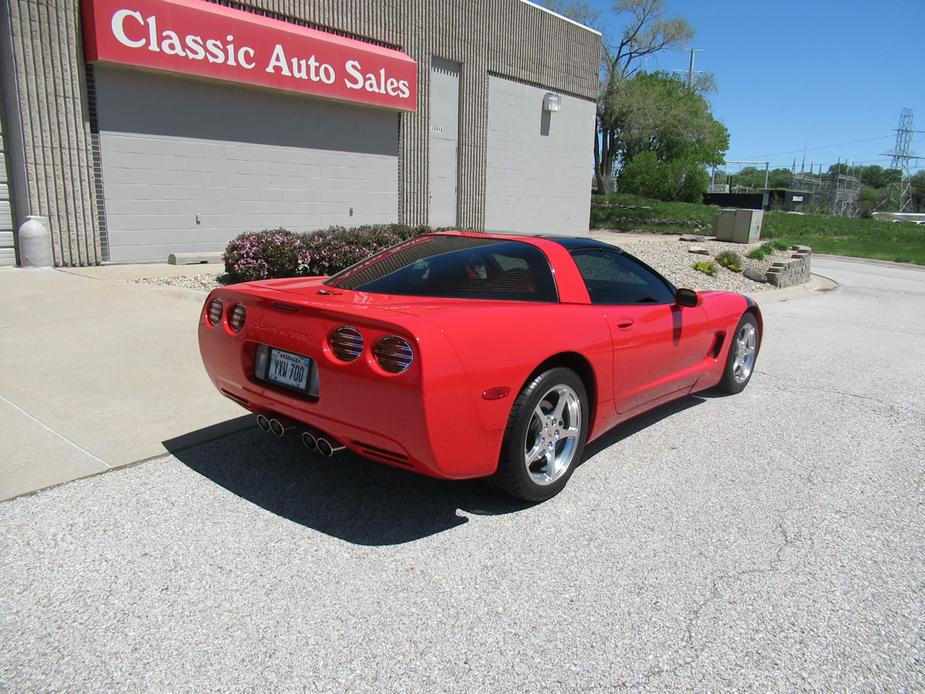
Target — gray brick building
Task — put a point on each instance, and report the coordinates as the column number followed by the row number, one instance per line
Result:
column 169, row 143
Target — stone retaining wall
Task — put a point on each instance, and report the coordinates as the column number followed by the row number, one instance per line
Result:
column 797, row 270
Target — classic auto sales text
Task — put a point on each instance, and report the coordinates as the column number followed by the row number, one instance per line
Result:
column 133, row 30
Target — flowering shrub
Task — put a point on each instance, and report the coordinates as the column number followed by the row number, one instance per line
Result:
column 257, row 255
column 337, row 248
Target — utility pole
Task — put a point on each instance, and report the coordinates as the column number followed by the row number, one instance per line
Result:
column 690, row 70
column 902, row 157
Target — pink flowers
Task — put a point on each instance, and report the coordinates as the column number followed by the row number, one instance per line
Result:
column 272, row 253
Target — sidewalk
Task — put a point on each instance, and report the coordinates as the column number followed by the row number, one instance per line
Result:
column 97, row 372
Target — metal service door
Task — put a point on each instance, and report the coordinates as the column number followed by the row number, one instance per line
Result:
column 444, row 134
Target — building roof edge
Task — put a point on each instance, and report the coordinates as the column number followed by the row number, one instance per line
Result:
column 556, row 14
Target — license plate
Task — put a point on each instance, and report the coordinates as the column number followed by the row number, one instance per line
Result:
column 289, row 369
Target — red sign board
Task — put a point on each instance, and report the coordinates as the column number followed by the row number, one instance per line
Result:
column 195, row 37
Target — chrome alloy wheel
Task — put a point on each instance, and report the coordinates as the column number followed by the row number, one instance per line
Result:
column 745, row 346
column 552, row 435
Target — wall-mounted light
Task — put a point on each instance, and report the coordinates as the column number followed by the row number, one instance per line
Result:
column 551, row 102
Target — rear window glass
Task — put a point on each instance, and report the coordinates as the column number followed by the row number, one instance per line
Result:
column 458, row 267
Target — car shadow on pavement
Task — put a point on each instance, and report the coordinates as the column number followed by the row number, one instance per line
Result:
column 640, row 422
column 349, row 497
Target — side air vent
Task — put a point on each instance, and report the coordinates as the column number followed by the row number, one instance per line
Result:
column 718, row 345
column 393, row 354
column 346, row 343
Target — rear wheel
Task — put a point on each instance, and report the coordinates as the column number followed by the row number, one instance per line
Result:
column 742, row 355
column 545, row 436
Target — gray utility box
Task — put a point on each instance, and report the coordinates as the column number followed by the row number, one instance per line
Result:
column 738, row 226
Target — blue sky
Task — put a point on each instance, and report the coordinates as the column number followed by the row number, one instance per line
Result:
column 826, row 72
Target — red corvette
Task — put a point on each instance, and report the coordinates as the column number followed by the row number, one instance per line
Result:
column 462, row 355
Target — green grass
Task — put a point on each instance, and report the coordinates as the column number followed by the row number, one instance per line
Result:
column 768, row 248
column 762, row 252
column 861, row 238
column 706, row 267
column 657, row 216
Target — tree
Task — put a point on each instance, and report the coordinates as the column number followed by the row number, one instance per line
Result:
column 872, row 176
column 780, row 178
column 868, row 198
column 918, row 191
column 878, row 177
column 646, row 30
column 749, row 177
column 753, row 177
column 673, row 180
column 655, row 113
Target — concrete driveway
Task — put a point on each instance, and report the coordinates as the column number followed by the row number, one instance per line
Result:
column 96, row 372
column 770, row 541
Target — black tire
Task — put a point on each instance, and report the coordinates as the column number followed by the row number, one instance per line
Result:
column 514, row 476
column 736, row 373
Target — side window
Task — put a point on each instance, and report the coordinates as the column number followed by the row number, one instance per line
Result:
column 616, row 278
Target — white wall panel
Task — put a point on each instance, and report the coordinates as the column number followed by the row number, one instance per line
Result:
column 539, row 163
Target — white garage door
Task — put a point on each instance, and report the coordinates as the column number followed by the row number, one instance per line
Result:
column 7, row 252
column 188, row 164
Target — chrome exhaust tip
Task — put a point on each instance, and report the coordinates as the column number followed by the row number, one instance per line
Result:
column 309, row 441
column 263, row 423
column 277, row 428
column 326, row 448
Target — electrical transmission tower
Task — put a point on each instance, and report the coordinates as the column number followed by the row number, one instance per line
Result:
column 903, row 156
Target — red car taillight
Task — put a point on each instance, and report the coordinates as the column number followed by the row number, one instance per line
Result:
column 215, row 311
column 346, row 343
column 236, row 317
column 393, row 354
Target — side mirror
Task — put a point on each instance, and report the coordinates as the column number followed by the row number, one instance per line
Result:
column 687, row 297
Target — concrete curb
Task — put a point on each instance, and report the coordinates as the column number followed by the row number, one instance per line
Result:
column 871, row 261
column 818, row 284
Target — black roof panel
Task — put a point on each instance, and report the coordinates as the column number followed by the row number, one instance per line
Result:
column 574, row 243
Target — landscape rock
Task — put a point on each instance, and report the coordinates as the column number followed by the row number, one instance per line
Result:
column 754, row 275
column 700, row 250
column 691, row 237
column 795, row 270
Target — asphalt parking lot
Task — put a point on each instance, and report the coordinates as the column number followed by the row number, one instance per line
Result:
column 773, row 540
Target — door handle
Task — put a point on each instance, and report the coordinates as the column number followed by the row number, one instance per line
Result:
column 625, row 323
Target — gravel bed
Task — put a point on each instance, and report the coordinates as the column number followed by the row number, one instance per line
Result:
column 665, row 253
column 671, row 257
column 202, row 282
